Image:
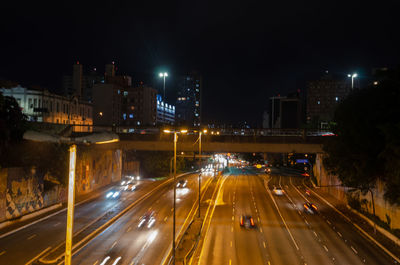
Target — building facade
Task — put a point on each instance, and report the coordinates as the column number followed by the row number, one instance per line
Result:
column 188, row 104
column 43, row 106
column 165, row 112
column 79, row 84
column 323, row 96
column 107, row 104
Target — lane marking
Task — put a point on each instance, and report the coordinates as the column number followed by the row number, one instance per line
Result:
column 233, row 218
column 113, row 245
column 284, row 222
column 339, row 234
column 165, row 219
column 37, row 256
column 2, row 253
column 326, row 249
column 32, row 236
column 264, row 245
column 355, row 251
column 357, row 226
column 315, row 234
column 57, row 224
column 231, row 243
column 231, row 228
column 328, row 222
column 260, row 229
column 129, row 229
column 230, row 261
column 96, row 262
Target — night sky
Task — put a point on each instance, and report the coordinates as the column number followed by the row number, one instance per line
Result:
column 245, row 51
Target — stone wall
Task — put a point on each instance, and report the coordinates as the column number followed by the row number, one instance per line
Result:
column 22, row 190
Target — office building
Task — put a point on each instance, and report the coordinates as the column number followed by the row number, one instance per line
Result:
column 323, row 97
column 43, row 106
column 107, row 104
column 165, row 112
column 188, row 104
column 79, row 84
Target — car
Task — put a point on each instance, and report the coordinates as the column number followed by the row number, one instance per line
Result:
column 268, row 170
column 113, row 194
column 148, row 219
column 247, row 221
column 181, row 183
column 129, row 187
column 310, row 208
column 278, row 191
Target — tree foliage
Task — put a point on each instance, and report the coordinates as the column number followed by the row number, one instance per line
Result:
column 367, row 145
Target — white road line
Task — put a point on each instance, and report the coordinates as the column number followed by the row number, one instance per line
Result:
column 231, row 228
column 57, row 224
column 328, row 222
column 165, row 219
column 355, row 251
column 315, row 234
column 40, row 254
column 233, row 218
column 113, row 245
column 2, row 253
column 326, row 249
column 32, row 236
column 96, row 262
column 284, row 222
column 264, row 245
column 339, row 234
column 231, row 243
column 358, row 227
column 129, row 229
column 306, row 222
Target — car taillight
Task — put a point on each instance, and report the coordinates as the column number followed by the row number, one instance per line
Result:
column 315, row 207
column 305, row 206
column 252, row 222
column 241, row 220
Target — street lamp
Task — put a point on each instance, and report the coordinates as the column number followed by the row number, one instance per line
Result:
column 200, row 133
column 164, row 75
column 174, row 183
column 352, row 79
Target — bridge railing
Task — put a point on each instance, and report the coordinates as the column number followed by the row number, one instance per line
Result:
column 216, row 132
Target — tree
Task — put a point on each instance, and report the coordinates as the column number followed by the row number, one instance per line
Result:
column 367, row 145
column 12, row 122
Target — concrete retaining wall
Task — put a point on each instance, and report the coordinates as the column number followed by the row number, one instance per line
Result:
column 22, row 190
column 385, row 211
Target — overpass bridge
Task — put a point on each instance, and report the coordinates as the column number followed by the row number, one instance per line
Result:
column 235, row 141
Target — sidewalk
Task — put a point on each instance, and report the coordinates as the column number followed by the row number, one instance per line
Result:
column 359, row 220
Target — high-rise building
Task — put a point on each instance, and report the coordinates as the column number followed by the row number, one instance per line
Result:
column 188, row 104
column 290, row 113
column 79, row 84
column 139, row 106
column 107, row 104
column 323, row 97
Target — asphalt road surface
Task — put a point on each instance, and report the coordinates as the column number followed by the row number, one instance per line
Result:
column 284, row 232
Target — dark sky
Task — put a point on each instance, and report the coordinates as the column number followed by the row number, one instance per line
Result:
column 246, row 51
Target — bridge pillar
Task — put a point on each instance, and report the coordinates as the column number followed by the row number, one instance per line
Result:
column 318, row 168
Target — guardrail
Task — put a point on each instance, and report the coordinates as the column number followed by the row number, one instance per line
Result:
column 211, row 131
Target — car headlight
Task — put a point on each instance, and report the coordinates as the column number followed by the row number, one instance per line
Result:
column 115, row 194
column 109, row 194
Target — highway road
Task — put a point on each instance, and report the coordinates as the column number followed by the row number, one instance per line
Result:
column 26, row 244
column 126, row 243
column 284, row 233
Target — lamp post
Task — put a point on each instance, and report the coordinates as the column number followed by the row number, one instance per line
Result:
column 174, row 183
column 200, row 133
column 164, row 75
column 352, row 79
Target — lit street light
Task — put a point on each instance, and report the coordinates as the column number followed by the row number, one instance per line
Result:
column 200, row 133
column 352, row 79
column 174, row 183
column 164, row 75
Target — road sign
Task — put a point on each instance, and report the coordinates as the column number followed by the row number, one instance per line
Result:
column 301, row 161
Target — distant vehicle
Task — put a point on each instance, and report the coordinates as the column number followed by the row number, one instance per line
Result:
column 181, row 183
column 129, row 187
column 278, row 191
column 247, row 221
column 308, row 192
column 148, row 219
column 268, row 170
column 113, row 194
column 310, row 208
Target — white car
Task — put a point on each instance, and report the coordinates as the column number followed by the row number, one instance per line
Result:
column 278, row 191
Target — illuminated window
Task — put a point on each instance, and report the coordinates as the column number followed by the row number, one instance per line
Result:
column 319, row 102
column 337, row 99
